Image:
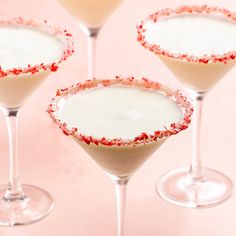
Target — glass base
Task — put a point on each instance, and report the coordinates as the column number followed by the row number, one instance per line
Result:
column 35, row 206
column 179, row 188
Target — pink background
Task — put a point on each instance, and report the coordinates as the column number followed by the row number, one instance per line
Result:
column 84, row 197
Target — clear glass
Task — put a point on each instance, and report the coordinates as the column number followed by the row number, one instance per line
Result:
column 92, row 34
column 20, row 204
column 120, row 159
column 120, row 190
column 195, row 187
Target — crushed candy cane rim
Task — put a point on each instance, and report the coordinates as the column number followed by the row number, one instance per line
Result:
column 46, row 27
column 143, row 138
column 188, row 9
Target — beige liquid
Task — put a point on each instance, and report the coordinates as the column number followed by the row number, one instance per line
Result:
column 21, row 46
column 93, row 13
column 119, row 112
column 14, row 90
column 196, row 76
column 121, row 161
column 195, row 35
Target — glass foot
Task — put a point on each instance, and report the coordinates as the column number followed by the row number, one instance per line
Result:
column 35, row 206
column 179, row 188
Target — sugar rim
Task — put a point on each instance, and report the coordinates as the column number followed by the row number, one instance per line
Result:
column 187, row 9
column 45, row 26
column 143, row 138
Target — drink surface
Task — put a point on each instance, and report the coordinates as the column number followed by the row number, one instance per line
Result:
column 189, row 43
column 118, row 112
column 22, row 45
column 92, row 13
column 193, row 34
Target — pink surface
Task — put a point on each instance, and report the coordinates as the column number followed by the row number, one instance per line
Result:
column 84, row 197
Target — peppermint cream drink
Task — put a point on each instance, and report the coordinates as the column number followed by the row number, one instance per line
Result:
column 21, row 46
column 29, row 51
column 123, row 113
column 196, row 36
column 92, row 13
column 120, row 123
column 198, row 44
column 119, row 112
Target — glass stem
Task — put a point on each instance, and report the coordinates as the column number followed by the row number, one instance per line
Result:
column 92, row 34
column 196, row 165
column 14, row 191
column 120, row 189
column 91, row 57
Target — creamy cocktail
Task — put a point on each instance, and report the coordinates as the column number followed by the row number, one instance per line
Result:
column 120, row 123
column 92, row 14
column 29, row 51
column 198, row 44
column 120, row 112
column 19, row 47
column 201, row 36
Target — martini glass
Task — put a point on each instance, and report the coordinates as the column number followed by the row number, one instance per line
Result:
column 199, row 58
column 92, row 15
column 23, row 42
column 89, row 107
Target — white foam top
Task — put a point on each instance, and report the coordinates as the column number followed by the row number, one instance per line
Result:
column 118, row 112
column 196, row 35
column 21, row 46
